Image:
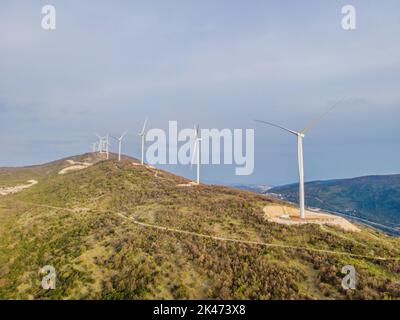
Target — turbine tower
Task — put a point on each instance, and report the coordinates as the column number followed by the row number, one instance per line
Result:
column 196, row 151
column 143, row 136
column 119, row 144
column 107, row 141
column 300, row 136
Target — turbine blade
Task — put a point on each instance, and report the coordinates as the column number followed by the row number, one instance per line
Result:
column 144, row 127
column 313, row 123
column 277, row 126
column 123, row 135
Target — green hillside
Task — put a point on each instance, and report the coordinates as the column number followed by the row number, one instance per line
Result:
column 19, row 175
column 118, row 230
column 376, row 198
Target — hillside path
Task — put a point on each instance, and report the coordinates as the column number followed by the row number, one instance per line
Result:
column 201, row 235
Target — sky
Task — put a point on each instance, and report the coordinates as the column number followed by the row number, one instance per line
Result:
column 221, row 64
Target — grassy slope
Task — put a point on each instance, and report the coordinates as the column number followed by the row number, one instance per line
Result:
column 98, row 254
column 376, row 198
column 19, row 175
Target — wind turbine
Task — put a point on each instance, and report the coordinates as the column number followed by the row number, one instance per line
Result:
column 143, row 136
column 94, row 147
column 120, row 143
column 107, row 145
column 196, row 151
column 300, row 136
column 99, row 144
column 103, row 144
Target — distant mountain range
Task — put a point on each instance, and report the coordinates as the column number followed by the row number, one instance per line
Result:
column 374, row 198
column 260, row 188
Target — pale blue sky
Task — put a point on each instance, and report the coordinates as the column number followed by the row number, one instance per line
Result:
column 222, row 64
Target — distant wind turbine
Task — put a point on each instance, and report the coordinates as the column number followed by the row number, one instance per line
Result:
column 300, row 135
column 196, row 151
column 142, row 134
column 107, row 144
column 94, row 147
column 103, row 144
column 99, row 143
column 119, row 140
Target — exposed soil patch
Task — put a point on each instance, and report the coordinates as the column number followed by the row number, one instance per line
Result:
column 290, row 216
column 190, row 184
column 19, row 188
column 75, row 166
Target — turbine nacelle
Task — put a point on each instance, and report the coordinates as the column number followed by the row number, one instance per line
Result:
column 121, row 137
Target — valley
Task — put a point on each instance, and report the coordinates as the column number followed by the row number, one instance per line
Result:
column 371, row 200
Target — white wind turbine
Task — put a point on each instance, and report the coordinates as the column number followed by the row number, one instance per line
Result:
column 142, row 134
column 103, row 144
column 300, row 135
column 94, row 147
column 120, row 143
column 100, row 143
column 196, row 151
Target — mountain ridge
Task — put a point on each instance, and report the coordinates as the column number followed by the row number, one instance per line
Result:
column 73, row 222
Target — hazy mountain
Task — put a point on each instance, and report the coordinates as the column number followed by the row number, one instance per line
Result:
column 260, row 188
column 118, row 230
column 375, row 198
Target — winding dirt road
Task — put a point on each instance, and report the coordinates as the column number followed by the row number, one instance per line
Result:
column 206, row 236
column 19, row 188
